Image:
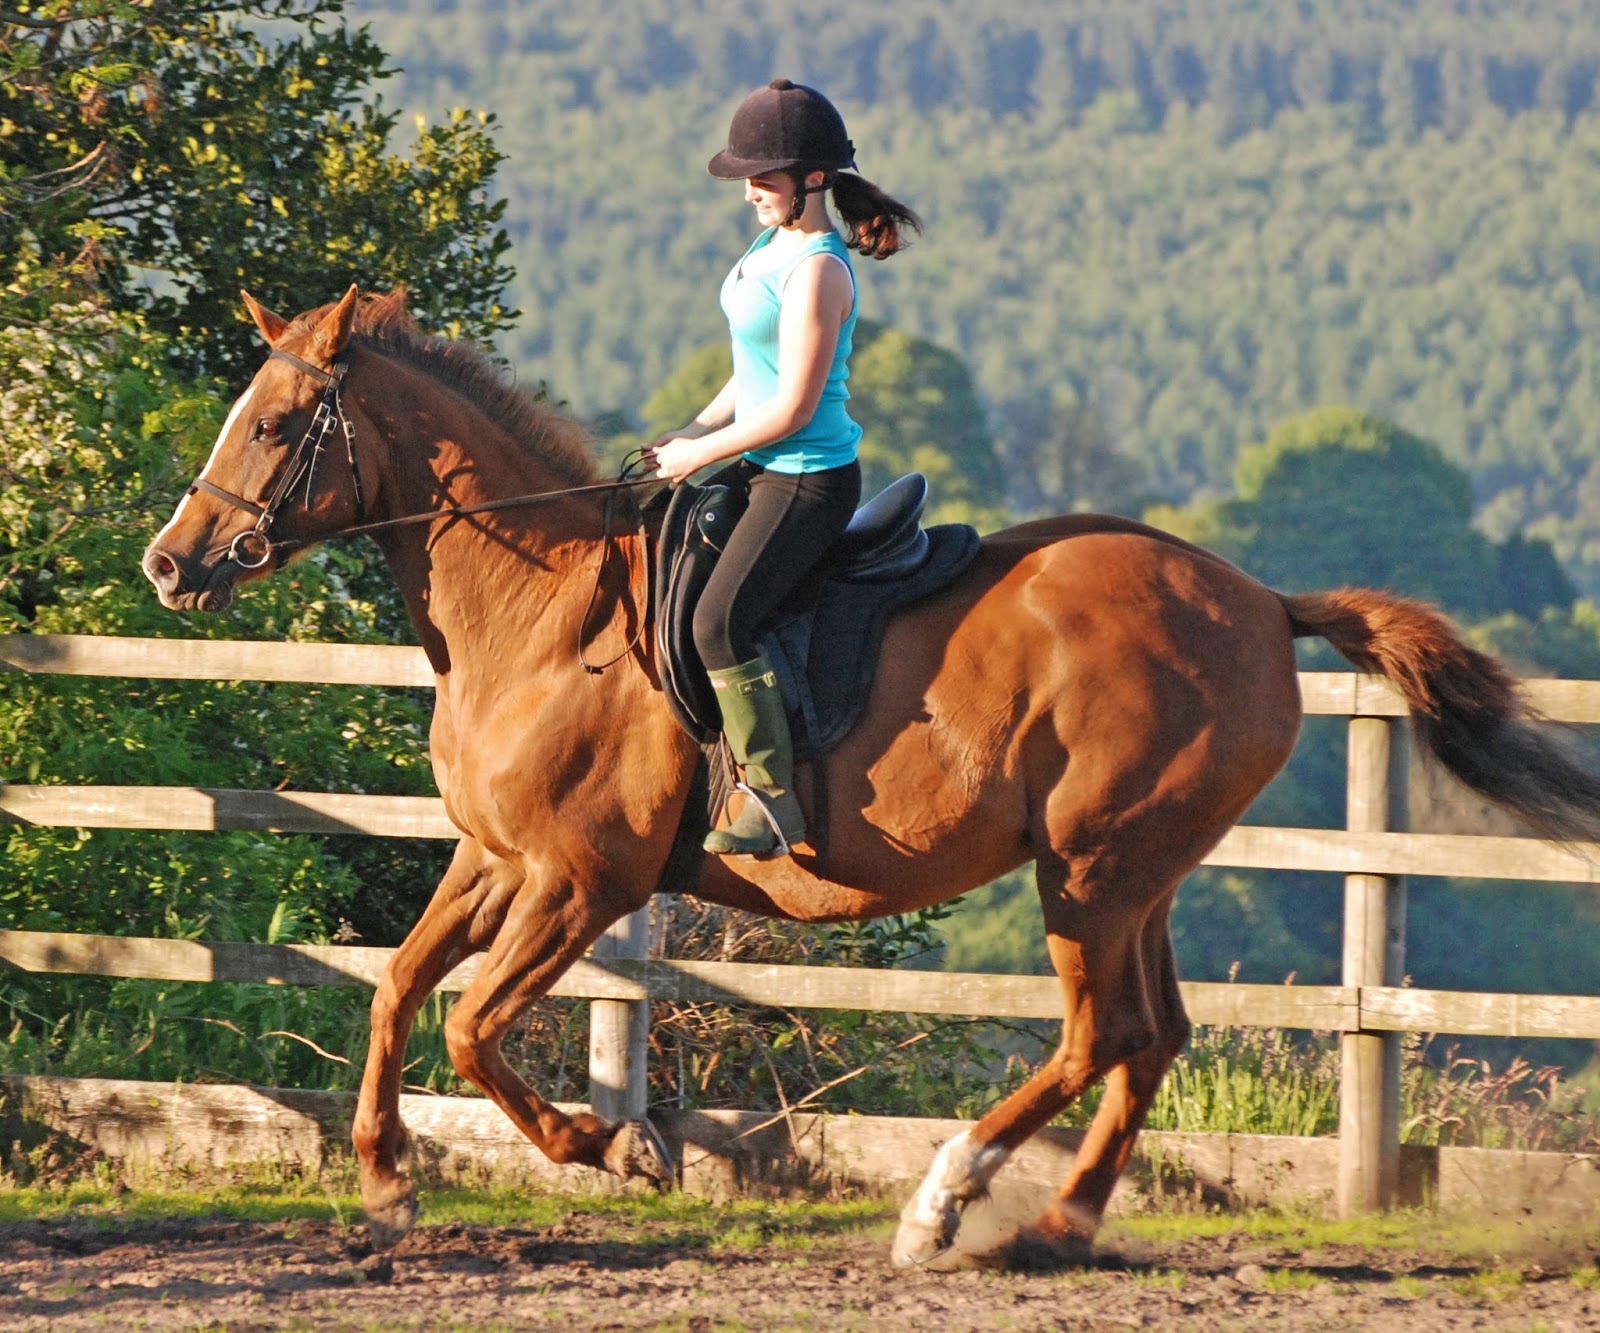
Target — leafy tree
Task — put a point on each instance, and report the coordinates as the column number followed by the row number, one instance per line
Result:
column 919, row 412
column 1048, row 58
column 161, row 155
column 1530, row 578
column 178, row 151
column 90, row 424
column 1338, row 496
column 695, row 383
column 1065, row 458
column 154, row 157
column 1448, row 283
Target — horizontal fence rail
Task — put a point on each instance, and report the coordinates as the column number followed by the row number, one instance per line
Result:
column 778, row 986
column 1373, row 853
column 1247, row 847
column 1323, row 693
column 216, row 659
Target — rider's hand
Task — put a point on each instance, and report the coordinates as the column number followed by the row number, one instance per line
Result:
column 676, row 456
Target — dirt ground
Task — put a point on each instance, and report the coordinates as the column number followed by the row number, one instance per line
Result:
column 577, row 1275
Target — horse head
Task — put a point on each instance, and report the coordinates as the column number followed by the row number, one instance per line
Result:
column 262, row 489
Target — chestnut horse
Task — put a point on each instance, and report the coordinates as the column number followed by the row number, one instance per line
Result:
column 1092, row 695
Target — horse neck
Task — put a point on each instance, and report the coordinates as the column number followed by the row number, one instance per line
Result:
column 478, row 583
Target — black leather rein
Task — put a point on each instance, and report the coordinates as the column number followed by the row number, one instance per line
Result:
column 252, row 549
column 329, row 415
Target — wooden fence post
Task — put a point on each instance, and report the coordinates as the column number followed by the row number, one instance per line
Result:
column 1374, row 955
column 619, row 1031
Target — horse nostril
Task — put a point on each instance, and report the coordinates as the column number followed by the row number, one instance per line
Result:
column 160, row 569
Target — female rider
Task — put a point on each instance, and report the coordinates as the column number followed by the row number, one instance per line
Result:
column 791, row 308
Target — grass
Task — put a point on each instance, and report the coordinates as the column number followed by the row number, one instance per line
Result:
column 1267, row 1081
column 1488, row 1288
column 1250, row 1081
column 797, row 1228
column 96, row 1203
column 1281, row 1280
column 668, row 1219
column 1162, row 1279
column 1464, row 1237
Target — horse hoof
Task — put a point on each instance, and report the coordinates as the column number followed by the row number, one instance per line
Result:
column 947, row 1260
column 390, row 1222
column 636, row 1150
column 922, row 1242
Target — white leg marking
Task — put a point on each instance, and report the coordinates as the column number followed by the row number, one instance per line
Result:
column 960, row 1173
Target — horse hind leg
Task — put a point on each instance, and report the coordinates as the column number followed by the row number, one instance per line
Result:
column 1068, row 1227
column 463, row 916
column 1095, row 947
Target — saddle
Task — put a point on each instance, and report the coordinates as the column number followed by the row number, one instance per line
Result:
column 823, row 642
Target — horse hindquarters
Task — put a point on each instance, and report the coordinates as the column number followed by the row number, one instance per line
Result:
column 1156, row 745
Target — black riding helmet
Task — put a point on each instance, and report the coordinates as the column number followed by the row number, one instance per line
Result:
column 783, row 125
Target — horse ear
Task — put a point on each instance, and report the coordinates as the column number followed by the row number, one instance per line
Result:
column 334, row 330
column 270, row 324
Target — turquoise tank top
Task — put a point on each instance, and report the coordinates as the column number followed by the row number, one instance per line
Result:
column 752, row 295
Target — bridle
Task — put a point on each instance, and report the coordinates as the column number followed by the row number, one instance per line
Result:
column 328, row 417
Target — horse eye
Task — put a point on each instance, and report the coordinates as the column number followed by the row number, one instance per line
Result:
column 265, row 428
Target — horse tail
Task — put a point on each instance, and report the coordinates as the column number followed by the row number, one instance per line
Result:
column 1466, row 709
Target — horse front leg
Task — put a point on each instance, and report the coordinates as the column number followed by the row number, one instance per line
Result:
column 466, row 911
column 545, row 932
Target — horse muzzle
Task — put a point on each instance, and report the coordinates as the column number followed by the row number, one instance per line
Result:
column 184, row 586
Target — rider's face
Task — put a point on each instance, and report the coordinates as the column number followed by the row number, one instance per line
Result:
column 771, row 197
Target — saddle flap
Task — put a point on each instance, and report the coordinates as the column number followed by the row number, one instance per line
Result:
column 685, row 557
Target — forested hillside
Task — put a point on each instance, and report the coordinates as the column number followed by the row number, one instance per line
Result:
column 1155, row 229
column 1404, row 64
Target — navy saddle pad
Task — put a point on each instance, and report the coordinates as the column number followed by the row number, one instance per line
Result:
column 823, row 643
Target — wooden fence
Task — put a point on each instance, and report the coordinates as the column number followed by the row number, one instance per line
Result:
column 1370, row 1009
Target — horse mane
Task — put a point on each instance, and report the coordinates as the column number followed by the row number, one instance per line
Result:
column 383, row 323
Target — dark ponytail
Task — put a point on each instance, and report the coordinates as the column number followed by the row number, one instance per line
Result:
column 874, row 221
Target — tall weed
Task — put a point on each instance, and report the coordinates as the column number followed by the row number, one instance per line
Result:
column 1263, row 1081
column 1250, row 1081
column 1464, row 1102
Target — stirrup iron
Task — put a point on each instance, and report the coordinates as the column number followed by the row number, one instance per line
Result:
column 760, row 799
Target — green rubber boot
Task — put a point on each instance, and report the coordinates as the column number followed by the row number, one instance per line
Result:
column 758, row 734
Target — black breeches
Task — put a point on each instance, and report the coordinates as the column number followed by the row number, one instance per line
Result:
column 791, row 521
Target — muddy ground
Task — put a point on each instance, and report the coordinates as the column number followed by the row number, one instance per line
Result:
column 583, row 1274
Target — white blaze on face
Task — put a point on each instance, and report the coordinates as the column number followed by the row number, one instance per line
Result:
column 234, row 413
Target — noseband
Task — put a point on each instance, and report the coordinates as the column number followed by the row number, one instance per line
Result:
column 252, row 549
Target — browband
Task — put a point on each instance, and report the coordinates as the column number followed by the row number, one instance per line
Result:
column 321, row 376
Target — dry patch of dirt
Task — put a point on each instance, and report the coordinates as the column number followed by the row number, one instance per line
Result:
column 577, row 1275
